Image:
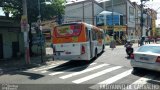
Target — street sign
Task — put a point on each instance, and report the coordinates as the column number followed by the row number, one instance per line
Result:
column 24, row 24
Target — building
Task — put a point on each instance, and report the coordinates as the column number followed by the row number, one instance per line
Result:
column 129, row 17
column 85, row 11
column 112, row 23
column 137, row 19
column 11, row 38
column 127, row 9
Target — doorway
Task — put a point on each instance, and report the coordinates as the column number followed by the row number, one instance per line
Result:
column 15, row 49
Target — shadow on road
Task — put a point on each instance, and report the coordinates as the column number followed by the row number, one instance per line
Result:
column 142, row 72
column 74, row 65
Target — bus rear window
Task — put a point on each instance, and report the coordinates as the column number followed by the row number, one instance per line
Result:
column 68, row 31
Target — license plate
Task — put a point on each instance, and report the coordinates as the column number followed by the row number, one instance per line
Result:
column 144, row 58
column 68, row 52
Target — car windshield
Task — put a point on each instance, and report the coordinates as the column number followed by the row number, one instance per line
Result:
column 150, row 49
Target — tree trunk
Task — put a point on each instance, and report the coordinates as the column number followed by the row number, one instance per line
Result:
column 30, row 42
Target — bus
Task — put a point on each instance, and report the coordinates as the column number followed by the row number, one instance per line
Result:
column 77, row 41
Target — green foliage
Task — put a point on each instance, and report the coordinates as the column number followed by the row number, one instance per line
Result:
column 48, row 11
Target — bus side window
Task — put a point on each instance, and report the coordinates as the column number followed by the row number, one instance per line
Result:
column 94, row 35
column 87, row 34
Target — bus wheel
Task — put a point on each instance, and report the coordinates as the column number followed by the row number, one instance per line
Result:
column 96, row 55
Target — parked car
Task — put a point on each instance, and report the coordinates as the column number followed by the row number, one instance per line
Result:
column 147, row 57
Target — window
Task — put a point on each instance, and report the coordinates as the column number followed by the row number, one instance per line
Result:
column 68, row 31
column 87, row 34
column 131, row 14
column 94, row 36
column 151, row 49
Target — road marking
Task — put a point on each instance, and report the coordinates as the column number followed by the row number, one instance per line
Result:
column 84, row 71
column 140, row 82
column 55, row 73
column 117, row 77
column 112, row 79
column 95, row 75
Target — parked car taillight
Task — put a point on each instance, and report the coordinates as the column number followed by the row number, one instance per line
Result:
column 132, row 56
column 158, row 59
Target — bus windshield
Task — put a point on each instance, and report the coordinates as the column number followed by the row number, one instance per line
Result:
column 68, row 30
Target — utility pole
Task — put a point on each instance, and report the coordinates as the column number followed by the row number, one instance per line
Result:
column 83, row 12
column 141, row 23
column 112, row 18
column 92, row 12
column 142, row 20
column 40, row 29
column 25, row 29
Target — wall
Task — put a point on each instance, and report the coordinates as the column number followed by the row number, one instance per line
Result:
column 8, row 38
column 75, row 12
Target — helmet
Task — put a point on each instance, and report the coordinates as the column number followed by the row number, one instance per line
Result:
column 128, row 41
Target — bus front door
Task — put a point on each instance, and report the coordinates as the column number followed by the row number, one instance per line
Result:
column 90, row 44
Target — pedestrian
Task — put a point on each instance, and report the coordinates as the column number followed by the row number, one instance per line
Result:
column 52, row 50
column 112, row 44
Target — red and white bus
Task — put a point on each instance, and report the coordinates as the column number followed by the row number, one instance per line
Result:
column 77, row 41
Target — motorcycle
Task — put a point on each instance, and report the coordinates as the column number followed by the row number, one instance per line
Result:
column 129, row 50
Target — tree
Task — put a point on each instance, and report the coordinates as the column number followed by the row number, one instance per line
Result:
column 55, row 7
column 48, row 11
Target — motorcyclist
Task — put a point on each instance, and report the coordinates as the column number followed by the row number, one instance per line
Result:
column 129, row 49
column 128, row 44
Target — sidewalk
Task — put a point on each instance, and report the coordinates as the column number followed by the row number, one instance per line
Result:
column 19, row 64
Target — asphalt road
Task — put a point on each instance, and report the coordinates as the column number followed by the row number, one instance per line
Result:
column 110, row 70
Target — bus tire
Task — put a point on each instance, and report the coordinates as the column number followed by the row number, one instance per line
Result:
column 95, row 54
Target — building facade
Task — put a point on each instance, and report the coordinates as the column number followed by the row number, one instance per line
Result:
column 85, row 11
column 11, row 39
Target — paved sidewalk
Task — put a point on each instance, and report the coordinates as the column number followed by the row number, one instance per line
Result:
column 18, row 64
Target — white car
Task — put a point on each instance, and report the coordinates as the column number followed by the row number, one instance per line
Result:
column 147, row 57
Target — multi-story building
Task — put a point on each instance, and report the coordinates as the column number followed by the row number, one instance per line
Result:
column 137, row 19
column 85, row 11
column 127, row 11
column 124, row 21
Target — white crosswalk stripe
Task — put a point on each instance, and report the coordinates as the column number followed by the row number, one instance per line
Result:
column 84, row 71
column 140, row 82
column 95, row 75
column 55, row 73
column 117, row 77
column 112, row 79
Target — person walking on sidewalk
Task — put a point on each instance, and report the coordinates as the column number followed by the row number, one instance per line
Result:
column 112, row 44
column 53, row 51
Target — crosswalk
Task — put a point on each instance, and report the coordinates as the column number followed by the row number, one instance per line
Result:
column 94, row 72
